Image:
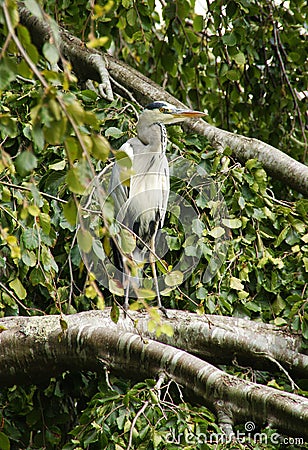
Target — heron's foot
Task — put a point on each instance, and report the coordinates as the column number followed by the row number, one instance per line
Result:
column 164, row 311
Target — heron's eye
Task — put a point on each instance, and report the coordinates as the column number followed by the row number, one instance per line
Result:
column 165, row 110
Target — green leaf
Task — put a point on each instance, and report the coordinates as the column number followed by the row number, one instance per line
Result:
column 278, row 304
column 100, row 147
column 25, row 163
column 63, row 324
column 115, row 313
column 76, row 110
column 114, row 132
column 229, row 39
column 173, row 242
column 152, row 325
column 123, row 160
column 239, row 58
column 7, row 72
column 167, row 329
column 216, row 232
column 174, row 278
column 233, row 75
column 18, row 288
column 48, row 260
column 198, row 23
column 38, row 136
column 8, row 125
column 73, row 181
column 283, row 234
column 30, row 238
column 33, row 6
column 37, row 197
column 235, row 283
column 145, row 293
column 305, row 327
column 28, row 258
column 55, row 132
column 58, row 166
column 116, row 288
column 201, row 293
column 131, row 17
column 51, row 53
column 232, row 223
column 280, row 322
column 197, row 227
column 44, row 220
column 33, row 210
column 127, row 241
column 73, row 148
column 70, row 211
column 85, row 240
column 108, row 210
column 37, row 276
column 4, row 442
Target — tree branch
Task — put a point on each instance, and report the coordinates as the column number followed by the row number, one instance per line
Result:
column 85, row 64
column 37, row 347
column 222, row 339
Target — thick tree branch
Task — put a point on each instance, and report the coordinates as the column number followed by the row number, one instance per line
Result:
column 221, row 340
column 277, row 163
column 37, row 347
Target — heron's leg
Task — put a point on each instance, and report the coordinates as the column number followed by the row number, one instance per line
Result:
column 126, row 305
column 153, row 267
column 126, row 290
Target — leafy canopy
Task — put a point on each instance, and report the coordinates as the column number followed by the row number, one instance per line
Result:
column 242, row 62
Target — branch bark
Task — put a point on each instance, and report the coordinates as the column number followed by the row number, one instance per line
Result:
column 222, row 340
column 35, row 348
column 129, row 81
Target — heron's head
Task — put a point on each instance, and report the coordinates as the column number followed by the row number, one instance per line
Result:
column 163, row 112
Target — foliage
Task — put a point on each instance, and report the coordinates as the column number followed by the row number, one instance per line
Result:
column 118, row 414
column 243, row 62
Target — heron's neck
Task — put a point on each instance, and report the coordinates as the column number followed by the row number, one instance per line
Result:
column 154, row 136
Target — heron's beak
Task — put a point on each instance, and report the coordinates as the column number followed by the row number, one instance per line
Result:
column 188, row 113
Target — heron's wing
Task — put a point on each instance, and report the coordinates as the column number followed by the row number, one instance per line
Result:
column 148, row 194
column 118, row 191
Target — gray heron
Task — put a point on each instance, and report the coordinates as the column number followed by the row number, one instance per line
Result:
column 141, row 205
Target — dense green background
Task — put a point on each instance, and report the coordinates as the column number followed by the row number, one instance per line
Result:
column 244, row 63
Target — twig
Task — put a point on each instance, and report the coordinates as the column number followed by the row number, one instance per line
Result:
column 141, row 410
column 11, row 294
column 21, row 49
column 271, row 358
column 126, row 91
column 25, row 188
column 278, row 45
